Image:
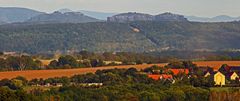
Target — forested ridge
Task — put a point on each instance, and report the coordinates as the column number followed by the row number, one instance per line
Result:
column 113, row 37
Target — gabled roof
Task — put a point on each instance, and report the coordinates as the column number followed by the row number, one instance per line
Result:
column 228, row 68
column 218, row 72
column 154, row 76
column 234, row 68
column 166, row 76
column 229, row 74
column 160, row 76
column 177, row 71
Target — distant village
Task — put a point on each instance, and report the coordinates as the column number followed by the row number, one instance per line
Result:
column 224, row 76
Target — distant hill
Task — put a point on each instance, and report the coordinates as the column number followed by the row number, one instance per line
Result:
column 58, row 17
column 170, row 17
column 133, row 16
column 221, row 18
column 98, row 15
column 2, row 22
column 114, row 37
column 14, row 14
column 65, row 10
column 129, row 17
column 94, row 14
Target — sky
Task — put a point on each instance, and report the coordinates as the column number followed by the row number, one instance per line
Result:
column 204, row 8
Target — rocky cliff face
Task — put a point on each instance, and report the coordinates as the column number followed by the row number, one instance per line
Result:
column 128, row 17
column 170, row 17
column 58, row 17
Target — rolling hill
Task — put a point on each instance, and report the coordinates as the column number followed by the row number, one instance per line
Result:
column 2, row 22
column 15, row 14
column 146, row 36
column 220, row 18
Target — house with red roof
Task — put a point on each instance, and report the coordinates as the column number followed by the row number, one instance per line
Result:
column 178, row 71
column 168, row 76
column 160, row 76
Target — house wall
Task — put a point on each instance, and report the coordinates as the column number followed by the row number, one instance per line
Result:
column 207, row 74
column 219, row 79
column 234, row 76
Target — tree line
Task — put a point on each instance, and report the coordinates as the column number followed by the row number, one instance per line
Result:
column 118, row 84
column 81, row 59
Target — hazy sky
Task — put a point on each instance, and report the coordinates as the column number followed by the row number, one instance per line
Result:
column 187, row 7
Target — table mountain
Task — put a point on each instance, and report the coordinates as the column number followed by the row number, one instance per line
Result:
column 131, row 16
column 170, row 17
column 58, row 17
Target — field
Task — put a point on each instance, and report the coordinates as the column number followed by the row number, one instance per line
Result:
column 217, row 64
column 46, row 62
column 31, row 74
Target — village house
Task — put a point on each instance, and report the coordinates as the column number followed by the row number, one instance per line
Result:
column 235, row 69
column 224, row 73
column 233, row 76
column 178, row 71
column 160, row 76
column 219, row 78
column 112, row 62
column 207, row 74
column 167, row 76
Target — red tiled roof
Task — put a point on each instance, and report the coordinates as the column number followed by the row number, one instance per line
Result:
column 165, row 76
column 160, row 76
column 177, row 71
column 227, row 68
column 154, row 77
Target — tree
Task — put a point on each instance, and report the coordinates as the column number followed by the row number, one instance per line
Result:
column 175, row 64
column 21, row 63
column 139, row 62
column 53, row 64
column 2, row 64
column 1, row 53
column 96, row 63
column 86, row 54
column 7, row 95
column 39, row 63
column 131, row 71
column 67, row 60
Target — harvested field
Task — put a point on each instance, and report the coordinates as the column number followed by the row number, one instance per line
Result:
column 31, row 74
column 217, row 64
column 46, row 62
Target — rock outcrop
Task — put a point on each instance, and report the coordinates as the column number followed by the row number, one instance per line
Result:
column 170, row 17
column 129, row 17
